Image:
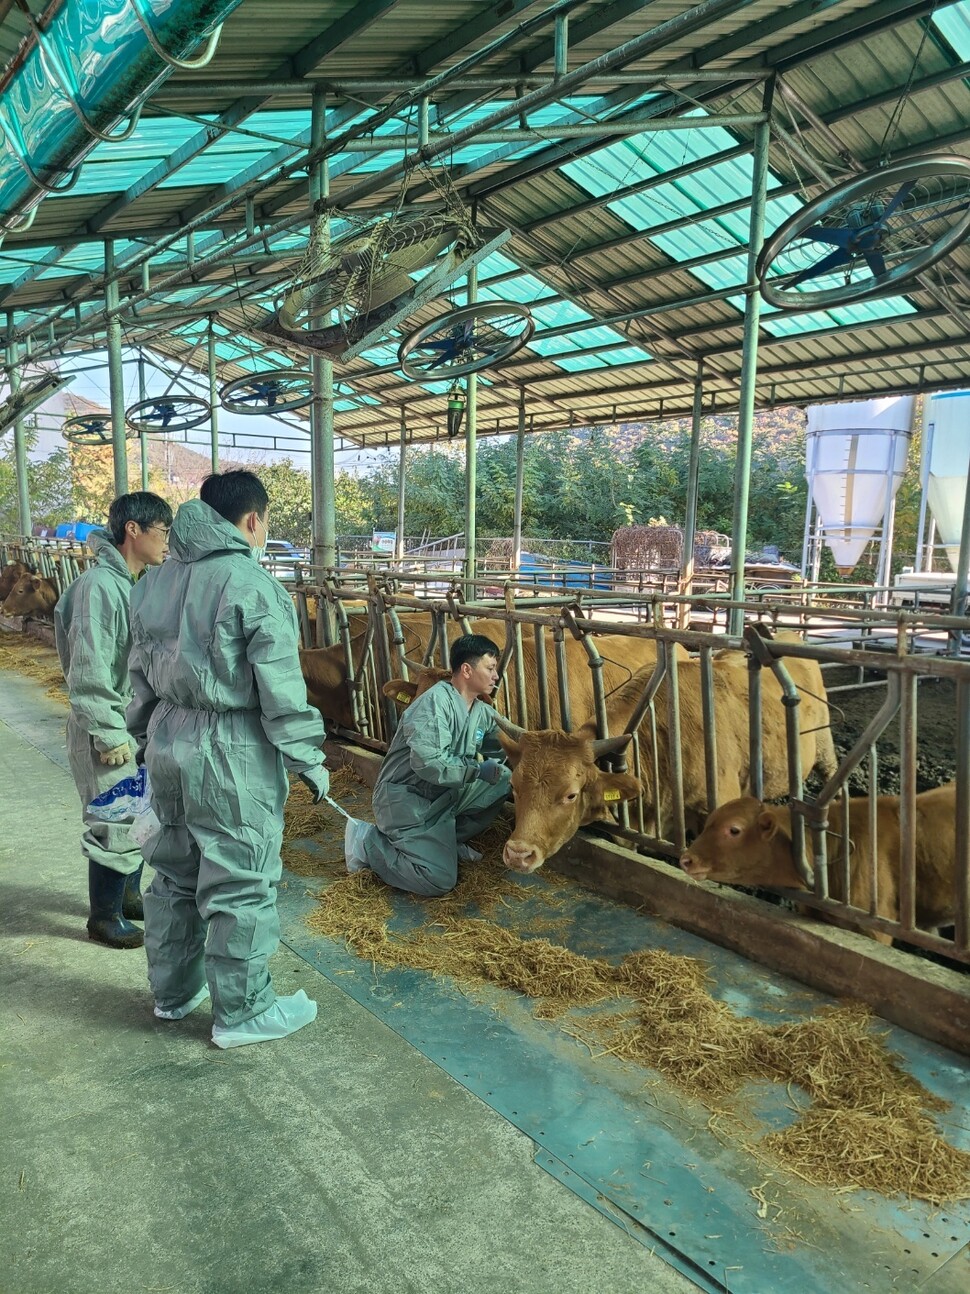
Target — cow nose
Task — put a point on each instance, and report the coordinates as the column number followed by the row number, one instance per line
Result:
column 693, row 867
column 520, row 856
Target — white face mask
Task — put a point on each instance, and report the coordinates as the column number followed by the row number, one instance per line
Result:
column 259, row 550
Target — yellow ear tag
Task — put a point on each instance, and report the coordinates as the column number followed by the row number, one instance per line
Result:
column 404, row 698
column 611, row 795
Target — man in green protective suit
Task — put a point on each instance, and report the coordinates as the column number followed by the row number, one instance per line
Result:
column 220, row 712
column 92, row 635
column 433, row 792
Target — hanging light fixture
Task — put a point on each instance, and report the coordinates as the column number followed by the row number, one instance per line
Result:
column 456, row 409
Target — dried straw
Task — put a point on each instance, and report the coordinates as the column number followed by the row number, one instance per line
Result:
column 896, row 1151
column 868, row 1126
column 25, row 655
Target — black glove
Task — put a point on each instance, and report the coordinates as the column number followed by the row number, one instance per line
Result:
column 318, row 780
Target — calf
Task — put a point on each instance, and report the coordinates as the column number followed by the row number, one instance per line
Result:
column 32, row 595
column 745, row 842
column 9, row 577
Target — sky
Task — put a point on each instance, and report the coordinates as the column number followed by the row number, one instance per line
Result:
column 91, row 383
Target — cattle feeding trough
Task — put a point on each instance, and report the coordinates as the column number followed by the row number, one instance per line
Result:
column 738, row 716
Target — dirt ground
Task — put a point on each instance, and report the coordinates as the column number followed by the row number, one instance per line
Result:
column 936, row 733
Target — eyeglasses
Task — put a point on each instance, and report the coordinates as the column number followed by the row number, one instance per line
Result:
column 164, row 530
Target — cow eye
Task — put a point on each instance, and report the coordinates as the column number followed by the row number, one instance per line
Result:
column 734, row 829
column 571, row 795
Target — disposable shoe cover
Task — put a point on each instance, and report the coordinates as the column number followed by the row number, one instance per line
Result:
column 285, row 1016
column 468, row 855
column 180, row 1012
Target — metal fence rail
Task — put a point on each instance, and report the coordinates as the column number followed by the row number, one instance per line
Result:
column 377, row 628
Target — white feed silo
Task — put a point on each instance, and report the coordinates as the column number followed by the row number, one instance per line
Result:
column 854, row 463
column 946, row 455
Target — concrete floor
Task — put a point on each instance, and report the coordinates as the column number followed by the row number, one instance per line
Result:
column 138, row 1157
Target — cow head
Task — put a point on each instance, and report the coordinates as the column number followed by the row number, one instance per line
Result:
column 558, row 788
column 742, row 844
column 10, row 575
column 31, row 595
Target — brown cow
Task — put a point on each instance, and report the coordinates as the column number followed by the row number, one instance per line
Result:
column 746, row 842
column 325, row 669
column 559, row 789
column 32, row 595
column 621, row 656
column 9, row 577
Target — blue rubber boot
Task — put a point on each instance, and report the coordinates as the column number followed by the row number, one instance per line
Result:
column 106, row 924
column 131, row 904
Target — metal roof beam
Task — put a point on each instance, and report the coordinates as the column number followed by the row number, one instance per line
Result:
column 961, row 71
column 306, row 87
column 848, row 30
column 889, row 13
column 837, row 330
column 360, row 16
column 638, row 47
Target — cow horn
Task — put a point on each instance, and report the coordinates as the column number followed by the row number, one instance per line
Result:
column 611, row 745
column 510, row 729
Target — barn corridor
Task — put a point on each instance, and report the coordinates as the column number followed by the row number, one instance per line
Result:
column 417, row 1136
column 138, row 1157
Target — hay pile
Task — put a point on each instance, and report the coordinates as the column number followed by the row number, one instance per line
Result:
column 24, row 654
column 660, row 547
column 868, row 1125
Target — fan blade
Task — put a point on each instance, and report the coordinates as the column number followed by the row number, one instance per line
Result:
column 876, row 263
column 443, row 358
column 828, row 263
column 446, row 343
column 819, row 234
column 900, row 196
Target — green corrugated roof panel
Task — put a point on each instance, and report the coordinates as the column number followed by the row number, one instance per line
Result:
column 624, row 163
column 953, row 23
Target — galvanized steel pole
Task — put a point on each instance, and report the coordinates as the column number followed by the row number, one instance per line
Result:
column 19, row 440
column 690, row 518
column 471, row 449
column 958, row 601
column 749, row 374
column 519, row 485
column 324, row 520
column 213, row 401
column 142, row 435
column 401, row 483
column 116, row 374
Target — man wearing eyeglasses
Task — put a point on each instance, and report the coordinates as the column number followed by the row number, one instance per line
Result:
column 93, row 635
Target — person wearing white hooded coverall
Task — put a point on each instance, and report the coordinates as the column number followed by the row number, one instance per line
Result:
column 221, row 713
column 92, row 636
column 433, row 792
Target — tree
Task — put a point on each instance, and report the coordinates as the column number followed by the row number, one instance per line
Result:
column 290, row 501
column 49, row 486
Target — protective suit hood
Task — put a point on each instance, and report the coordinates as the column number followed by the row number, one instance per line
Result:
column 198, row 531
column 106, row 551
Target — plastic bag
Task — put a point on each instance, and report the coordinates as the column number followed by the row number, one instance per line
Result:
column 129, row 800
column 121, row 801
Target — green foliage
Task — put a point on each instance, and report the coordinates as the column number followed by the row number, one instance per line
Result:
column 289, row 501
column 49, row 483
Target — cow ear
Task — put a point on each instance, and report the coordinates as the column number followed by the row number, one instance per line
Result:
column 513, row 751
column 401, row 690
column 619, row 786
column 767, row 826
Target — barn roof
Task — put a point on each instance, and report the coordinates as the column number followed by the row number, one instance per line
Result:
column 630, row 246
